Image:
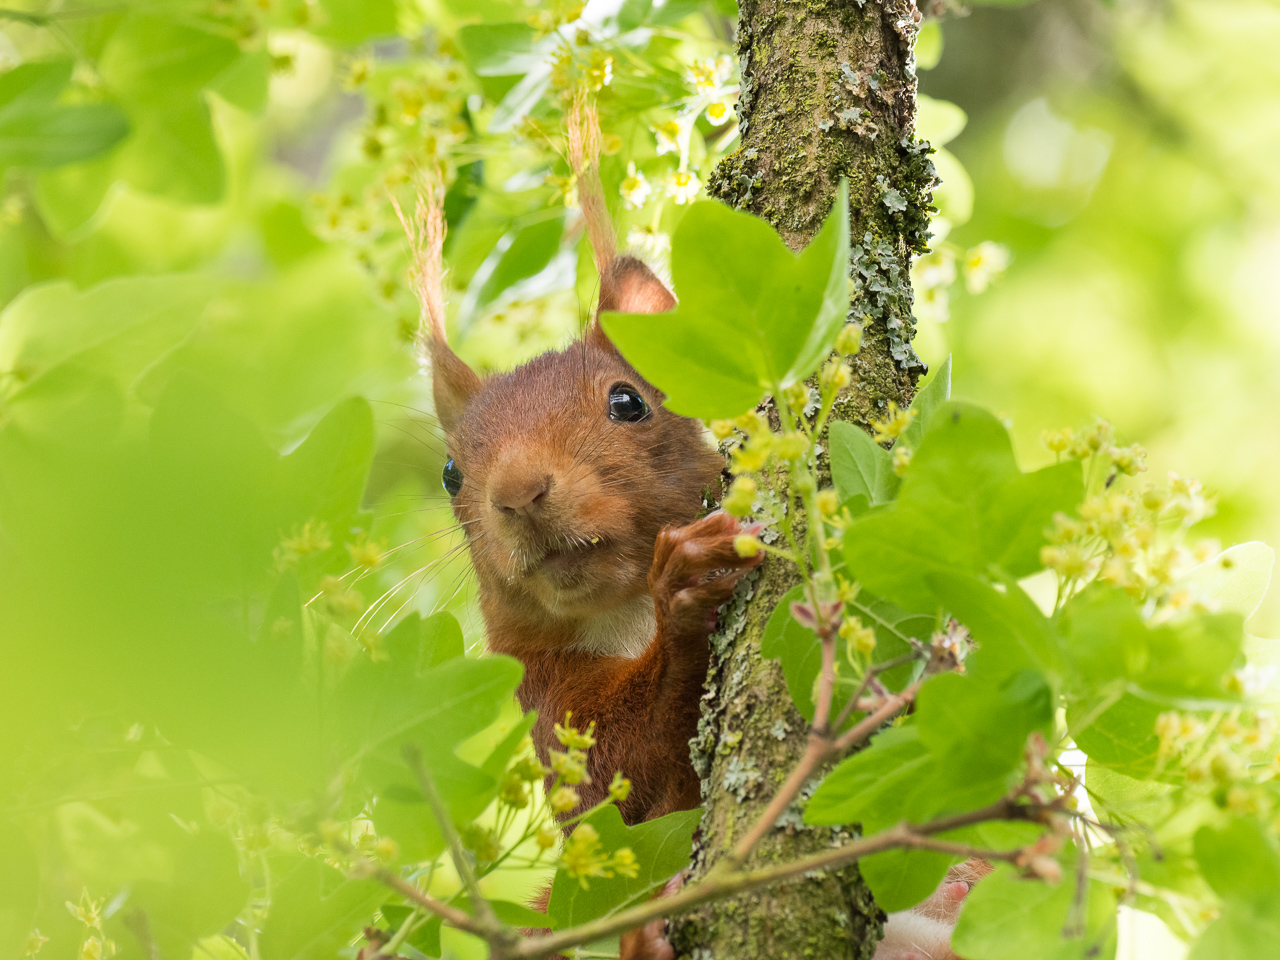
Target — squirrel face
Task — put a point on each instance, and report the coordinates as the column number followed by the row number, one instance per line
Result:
column 564, row 470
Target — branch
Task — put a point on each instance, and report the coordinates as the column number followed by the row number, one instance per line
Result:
column 723, row 883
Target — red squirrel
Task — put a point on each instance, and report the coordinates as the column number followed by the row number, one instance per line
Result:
column 579, row 494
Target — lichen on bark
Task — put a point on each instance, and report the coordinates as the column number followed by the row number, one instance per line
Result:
column 828, row 91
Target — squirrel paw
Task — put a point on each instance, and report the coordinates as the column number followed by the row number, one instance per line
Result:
column 695, row 569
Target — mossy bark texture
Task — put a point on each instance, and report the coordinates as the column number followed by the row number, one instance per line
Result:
column 828, row 91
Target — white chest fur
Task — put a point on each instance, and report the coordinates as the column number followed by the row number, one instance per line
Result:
column 624, row 632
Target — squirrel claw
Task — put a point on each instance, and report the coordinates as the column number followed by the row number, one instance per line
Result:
column 695, row 568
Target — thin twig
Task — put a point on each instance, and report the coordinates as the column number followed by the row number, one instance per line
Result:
column 450, row 914
column 488, row 920
column 872, row 721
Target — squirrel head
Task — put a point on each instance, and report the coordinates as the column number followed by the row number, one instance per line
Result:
column 563, row 471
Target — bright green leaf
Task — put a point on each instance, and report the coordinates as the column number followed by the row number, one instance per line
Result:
column 977, row 728
column 1176, row 662
column 964, row 506
column 752, row 316
column 1008, row 918
column 37, row 131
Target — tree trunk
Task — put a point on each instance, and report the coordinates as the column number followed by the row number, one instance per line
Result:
column 828, row 91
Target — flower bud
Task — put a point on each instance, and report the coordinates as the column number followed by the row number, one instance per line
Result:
column 619, row 787
column 722, row 429
column 563, row 799
column 849, row 339
column 740, row 498
column 835, row 375
column 746, row 546
column 828, row 502
column 901, row 460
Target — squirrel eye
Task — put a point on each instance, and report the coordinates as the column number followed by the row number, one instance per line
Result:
column 452, row 478
column 626, row 405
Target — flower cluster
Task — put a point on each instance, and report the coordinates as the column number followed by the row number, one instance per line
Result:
column 584, row 857
column 1231, row 758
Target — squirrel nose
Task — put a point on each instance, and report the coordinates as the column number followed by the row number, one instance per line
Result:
column 522, row 496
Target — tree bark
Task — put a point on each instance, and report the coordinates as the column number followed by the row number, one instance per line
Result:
column 828, row 91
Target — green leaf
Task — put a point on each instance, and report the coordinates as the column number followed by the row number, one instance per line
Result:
column 963, row 507
column 1011, row 632
column 902, row 878
column 499, row 49
column 875, row 786
column 245, row 83
column 1124, row 799
column 36, row 131
column 925, row 403
column 119, row 328
column 315, row 912
column 520, row 254
column 1179, row 662
column 1122, row 737
column 159, row 68
column 859, row 465
column 977, row 728
column 324, row 477
column 929, row 44
column 1008, row 918
column 1238, row 934
column 752, row 316
column 1236, row 579
column 1241, row 861
column 662, row 849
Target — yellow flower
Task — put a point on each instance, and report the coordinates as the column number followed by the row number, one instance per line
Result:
column 573, row 737
column 901, row 460
column 571, row 766
column 563, row 799
column 722, row 429
column 859, row 638
column 791, row 446
column 745, row 545
column 896, row 420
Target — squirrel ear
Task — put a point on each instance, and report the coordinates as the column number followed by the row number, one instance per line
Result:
column 628, row 286
column 453, row 384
